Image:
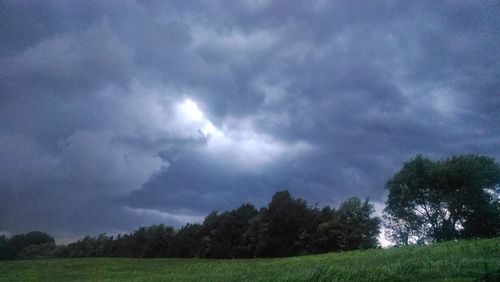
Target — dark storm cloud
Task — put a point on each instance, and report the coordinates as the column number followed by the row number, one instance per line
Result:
column 120, row 114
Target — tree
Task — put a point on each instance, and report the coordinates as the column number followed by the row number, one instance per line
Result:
column 359, row 229
column 20, row 241
column 284, row 222
column 473, row 184
column 327, row 235
column 158, row 241
column 186, row 242
column 235, row 224
column 287, row 226
column 210, row 248
column 444, row 200
column 224, row 233
column 6, row 251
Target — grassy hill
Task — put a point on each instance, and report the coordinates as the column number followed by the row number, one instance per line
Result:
column 450, row 261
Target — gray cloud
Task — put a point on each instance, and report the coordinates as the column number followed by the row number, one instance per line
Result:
column 120, row 114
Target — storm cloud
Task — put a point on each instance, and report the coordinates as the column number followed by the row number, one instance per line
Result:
column 118, row 114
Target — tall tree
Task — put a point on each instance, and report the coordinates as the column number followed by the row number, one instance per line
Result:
column 359, row 229
column 327, row 233
column 224, row 233
column 284, row 222
column 444, row 200
column 186, row 242
column 473, row 193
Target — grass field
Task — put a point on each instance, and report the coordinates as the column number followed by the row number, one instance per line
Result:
column 451, row 261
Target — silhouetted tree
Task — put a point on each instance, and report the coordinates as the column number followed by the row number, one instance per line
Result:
column 20, row 241
column 251, row 236
column 186, row 243
column 83, row 248
column 472, row 184
column 158, row 241
column 223, row 233
column 283, row 223
column 6, row 250
column 287, row 226
column 327, row 234
column 234, row 224
column 210, row 248
column 358, row 228
column 444, row 200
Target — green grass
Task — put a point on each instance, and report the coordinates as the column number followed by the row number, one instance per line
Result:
column 451, row 261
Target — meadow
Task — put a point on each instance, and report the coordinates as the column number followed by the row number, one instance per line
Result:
column 476, row 260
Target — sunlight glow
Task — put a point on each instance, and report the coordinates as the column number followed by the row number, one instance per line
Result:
column 209, row 129
column 237, row 142
column 190, row 109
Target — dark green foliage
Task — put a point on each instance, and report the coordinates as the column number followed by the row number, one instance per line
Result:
column 34, row 244
column 37, row 251
column 350, row 227
column 6, row 250
column 20, row 241
column 155, row 241
column 444, row 200
column 287, row 226
column 357, row 229
column 87, row 247
column 327, row 234
column 186, row 243
column 283, row 226
column 222, row 235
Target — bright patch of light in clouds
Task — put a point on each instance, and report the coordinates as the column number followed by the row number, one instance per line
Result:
column 238, row 141
column 191, row 111
column 250, row 149
column 191, row 115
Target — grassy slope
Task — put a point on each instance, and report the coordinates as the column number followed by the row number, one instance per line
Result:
column 451, row 261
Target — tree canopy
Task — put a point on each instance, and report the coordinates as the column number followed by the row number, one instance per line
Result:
column 287, row 226
column 442, row 200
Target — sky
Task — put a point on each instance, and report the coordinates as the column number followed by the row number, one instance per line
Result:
column 120, row 114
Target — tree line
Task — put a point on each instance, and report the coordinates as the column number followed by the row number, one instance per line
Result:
column 287, row 226
column 428, row 201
